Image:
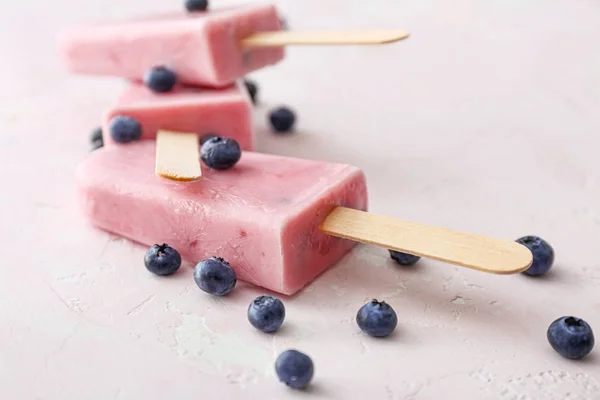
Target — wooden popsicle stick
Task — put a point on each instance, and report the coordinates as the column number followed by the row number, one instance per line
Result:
column 474, row 251
column 178, row 156
column 356, row 37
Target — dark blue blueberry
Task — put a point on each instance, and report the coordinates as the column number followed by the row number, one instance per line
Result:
column 282, row 119
column 252, row 88
column 571, row 337
column 220, row 152
column 543, row 255
column 377, row 318
column 162, row 260
column 204, row 138
column 96, row 138
column 215, row 276
column 196, row 5
column 160, row 79
column 97, row 144
column 284, row 23
column 295, row 369
column 96, row 135
column 266, row 313
column 124, row 129
column 404, row 258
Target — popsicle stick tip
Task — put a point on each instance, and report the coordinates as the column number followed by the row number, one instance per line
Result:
column 176, row 178
column 178, row 156
column 315, row 38
column 479, row 252
column 521, row 253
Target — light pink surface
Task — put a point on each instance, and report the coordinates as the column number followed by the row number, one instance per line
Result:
column 202, row 48
column 224, row 112
column 262, row 215
column 485, row 121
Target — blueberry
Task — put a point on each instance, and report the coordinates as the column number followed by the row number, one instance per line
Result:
column 543, row 255
column 96, row 138
column 196, row 5
column 377, row 318
column 96, row 135
column 282, row 119
column 220, row 153
column 124, row 129
column 266, row 313
column 284, row 23
column 162, row 260
column 97, row 144
column 294, row 368
column 571, row 337
column 252, row 88
column 215, row 276
column 160, row 79
column 204, row 138
column 404, row 258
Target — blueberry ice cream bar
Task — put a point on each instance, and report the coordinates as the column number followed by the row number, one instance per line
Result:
column 210, row 48
column 279, row 221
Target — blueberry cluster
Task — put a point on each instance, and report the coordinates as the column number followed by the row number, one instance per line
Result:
column 266, row 313
column 282, row 119
column 221, row 153
column 543, row 256
column 217, row 152
column 571, row 337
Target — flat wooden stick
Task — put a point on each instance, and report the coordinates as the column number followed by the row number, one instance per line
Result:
column 178, row 156
column 478, row 252
column 359, row 37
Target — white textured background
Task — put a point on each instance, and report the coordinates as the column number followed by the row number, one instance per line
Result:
column 487, row 119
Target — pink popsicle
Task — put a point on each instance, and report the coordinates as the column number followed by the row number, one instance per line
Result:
column 202, row 48
column 224, row 112
column 262, row 216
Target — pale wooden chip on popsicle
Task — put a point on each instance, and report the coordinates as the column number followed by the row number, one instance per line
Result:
column 469, row 250
column 335, row 38
column 178, row 156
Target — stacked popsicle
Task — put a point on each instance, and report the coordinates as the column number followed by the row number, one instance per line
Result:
column 279, row 221
column 196, row 57
column 183, row 67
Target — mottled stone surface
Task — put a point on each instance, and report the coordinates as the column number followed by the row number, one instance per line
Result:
column 487, row 119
